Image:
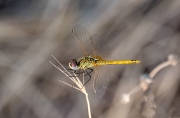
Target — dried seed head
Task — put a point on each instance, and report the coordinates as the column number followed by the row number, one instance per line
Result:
column 174, row 59
column 125, row 98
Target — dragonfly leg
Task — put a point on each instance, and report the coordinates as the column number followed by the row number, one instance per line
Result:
column 77, row 73
column 73, row 71
column 88, row 73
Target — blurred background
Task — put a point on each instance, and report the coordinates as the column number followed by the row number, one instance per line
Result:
column 33, row 30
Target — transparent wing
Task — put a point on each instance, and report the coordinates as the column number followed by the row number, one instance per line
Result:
column 83, row 36
column 100, row 46
column 101, row 80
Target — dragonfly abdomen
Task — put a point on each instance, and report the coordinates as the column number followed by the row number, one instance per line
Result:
column 104, row 62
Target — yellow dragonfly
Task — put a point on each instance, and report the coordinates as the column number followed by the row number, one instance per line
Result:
column 94, row 48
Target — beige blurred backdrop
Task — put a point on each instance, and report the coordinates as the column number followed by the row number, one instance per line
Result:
column 33, row 30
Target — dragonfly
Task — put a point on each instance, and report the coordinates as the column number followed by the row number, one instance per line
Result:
column 94, row 49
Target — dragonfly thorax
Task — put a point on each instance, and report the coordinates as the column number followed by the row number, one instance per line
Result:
column 86, row 62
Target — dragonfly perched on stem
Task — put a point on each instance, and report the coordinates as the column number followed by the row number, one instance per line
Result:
column 94, row 48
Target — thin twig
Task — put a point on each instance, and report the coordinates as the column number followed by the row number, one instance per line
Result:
column 172, row 60
column 144, row 84
column 137, row 88
column 71, row 78
column 76, row 80
column 158, row 68
column 88, row 105
column 69, row 85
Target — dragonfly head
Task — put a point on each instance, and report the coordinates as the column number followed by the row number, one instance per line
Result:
column 73, row 64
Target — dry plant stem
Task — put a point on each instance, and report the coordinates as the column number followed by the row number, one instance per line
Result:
column 88, row 105
column 76, row 80
column 87, row 100
column 71, row 78
column 137, row 88
column 70, row 85
column 155, row 71
column 158, row 68
column 172, row 60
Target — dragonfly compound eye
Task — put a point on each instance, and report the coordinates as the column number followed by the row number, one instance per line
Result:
column 73, row 64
